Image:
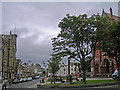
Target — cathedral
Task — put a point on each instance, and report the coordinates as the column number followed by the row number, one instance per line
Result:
column 104, row 65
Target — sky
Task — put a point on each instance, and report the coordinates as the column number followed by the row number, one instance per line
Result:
column 35, row 23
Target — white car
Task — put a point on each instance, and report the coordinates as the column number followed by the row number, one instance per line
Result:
column 29, row 78
column 115, row 74
column 20, row 80
column 36, row 77
column 24, row 79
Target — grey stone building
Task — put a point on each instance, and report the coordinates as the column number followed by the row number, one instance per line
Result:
column 8, row 55
column 1, row 56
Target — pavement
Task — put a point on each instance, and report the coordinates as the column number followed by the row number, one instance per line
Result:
column 33, row 86
column 0, row 86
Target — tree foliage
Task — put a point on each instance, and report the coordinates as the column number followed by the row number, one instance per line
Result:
column 53, row 65
column 77, row 38
column 110, row 43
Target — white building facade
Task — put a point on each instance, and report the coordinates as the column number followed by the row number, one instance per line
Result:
column 63, row 71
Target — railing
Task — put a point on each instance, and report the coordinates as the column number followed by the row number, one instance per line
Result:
column 98, row 75
column 102, row 75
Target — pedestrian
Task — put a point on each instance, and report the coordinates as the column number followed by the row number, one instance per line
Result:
column 10, row 81
column 43, row 80
column 4, row 84
column 60, row 78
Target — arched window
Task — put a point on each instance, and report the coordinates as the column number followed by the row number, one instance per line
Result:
column 106, row 66
column 96, row 68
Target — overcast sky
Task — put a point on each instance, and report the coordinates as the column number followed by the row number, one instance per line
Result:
column 37, row 23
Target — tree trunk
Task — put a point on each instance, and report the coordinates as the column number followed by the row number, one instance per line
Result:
column 84, row 76
column 84, row 71
column 54, row 79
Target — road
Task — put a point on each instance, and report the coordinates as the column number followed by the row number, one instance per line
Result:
column 25, row 84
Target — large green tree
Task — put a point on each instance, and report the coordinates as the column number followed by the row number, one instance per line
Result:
column 77, row 38
column 53, row 65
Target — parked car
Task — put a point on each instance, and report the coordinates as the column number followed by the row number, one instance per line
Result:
column 15, row 81
column 20, row 80
column 115, row 74
column 36, row 77
column 29, row 78
column 24, row 79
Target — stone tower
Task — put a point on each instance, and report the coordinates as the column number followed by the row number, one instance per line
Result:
column 9, row 55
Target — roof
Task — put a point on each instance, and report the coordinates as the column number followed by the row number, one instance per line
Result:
column 114, row 17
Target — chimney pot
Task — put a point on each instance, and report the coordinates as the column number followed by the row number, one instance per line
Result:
column 111, row 11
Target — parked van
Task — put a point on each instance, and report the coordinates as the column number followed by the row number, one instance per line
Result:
column 115, row 74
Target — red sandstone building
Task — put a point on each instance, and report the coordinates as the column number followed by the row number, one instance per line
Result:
column 104, row 65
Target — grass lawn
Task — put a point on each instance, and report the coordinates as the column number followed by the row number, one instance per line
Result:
column 95, row 81
column 88, row 82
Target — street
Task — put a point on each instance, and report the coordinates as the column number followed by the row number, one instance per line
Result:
column 27, row 84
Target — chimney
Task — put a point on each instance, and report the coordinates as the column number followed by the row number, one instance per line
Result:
column 103, row 12
column 10, row 32
column 111, row 11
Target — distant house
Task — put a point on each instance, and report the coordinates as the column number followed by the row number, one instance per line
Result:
column 74, row 68
column 63, row 71
column 39, row 68
column 19, row 68
column 104, row 65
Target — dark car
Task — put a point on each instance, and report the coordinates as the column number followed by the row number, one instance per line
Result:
column 115, row 74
